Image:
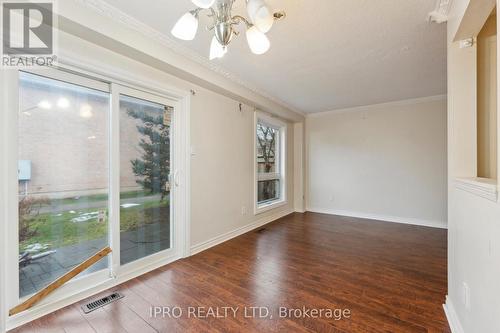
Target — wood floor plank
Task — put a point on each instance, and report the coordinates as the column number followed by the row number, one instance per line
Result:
column 71, row 321
column 131, row 321
column 391, row 277
column 139, row 304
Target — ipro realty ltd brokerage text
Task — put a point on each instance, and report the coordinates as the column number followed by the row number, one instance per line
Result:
column 261, row 312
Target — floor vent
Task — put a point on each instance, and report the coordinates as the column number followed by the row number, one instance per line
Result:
column 261, row 230
column 94, row 305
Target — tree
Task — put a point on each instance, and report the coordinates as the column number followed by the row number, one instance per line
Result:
column 266, row 138
column 29, row 209
column 153, row 168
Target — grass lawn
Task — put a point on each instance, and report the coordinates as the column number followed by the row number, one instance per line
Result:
column 59, row 230
column 99, row 197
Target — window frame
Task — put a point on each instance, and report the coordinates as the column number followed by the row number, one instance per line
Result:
column 280, row 172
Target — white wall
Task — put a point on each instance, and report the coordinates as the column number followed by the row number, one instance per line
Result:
column 299, row 167
column 383, row 161
column 474, row 221
column 222, row 168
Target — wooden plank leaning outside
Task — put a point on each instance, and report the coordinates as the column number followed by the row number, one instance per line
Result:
column 59, row 282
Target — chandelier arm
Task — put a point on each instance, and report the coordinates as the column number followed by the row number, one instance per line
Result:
column 196, row 12
column 237, row 19
column 212, row 15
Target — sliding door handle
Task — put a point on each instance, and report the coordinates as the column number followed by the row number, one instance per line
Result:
column 176, row 178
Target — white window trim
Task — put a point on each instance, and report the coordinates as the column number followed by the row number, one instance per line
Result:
column 261, row 117
column 99, row 281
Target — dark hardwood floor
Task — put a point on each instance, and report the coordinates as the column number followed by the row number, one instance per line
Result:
column 391, row 277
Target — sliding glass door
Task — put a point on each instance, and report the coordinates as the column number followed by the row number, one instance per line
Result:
column 95, row 160
column 145, row 166
column 63, row 176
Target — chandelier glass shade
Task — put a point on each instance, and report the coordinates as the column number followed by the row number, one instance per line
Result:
column 204, row 3
column 216, row 49
column 186, row 27
column 257, row 41
column 261, row 20
column 260, row 15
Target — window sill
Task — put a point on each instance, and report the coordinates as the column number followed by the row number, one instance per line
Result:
column 259, row 209
column 483, row 187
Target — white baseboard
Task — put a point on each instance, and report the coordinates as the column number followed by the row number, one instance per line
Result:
column 385, row 218
column 237, row 232
column 452, row 316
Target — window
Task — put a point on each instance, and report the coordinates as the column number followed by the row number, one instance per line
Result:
column 270, row 160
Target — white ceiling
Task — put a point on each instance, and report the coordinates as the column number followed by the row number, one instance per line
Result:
column 327, row 54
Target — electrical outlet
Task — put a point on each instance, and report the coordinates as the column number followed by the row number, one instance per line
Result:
column 331, row 198
column 243, row 210
column 466, row 295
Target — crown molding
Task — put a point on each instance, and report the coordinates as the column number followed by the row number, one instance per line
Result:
column 380, row 105
column 115, row 14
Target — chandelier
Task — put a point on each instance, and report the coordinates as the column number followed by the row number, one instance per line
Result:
column 260, row 21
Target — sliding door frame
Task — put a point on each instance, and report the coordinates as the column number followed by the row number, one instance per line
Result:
column 12, row 281
column 119, row 82
column 3, row 196
column 118, row 269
